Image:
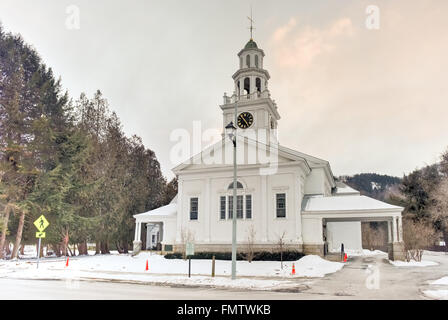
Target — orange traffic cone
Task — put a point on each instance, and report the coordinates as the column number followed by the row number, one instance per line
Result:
column 293, row 269
column 147, row 265
column 66, row 263
column 345, row 258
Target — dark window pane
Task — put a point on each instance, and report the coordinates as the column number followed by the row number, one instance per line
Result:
column 193, row 208
column 222, row 209
column 248, row 206
column 238, row 185
column 230, row 206
column 281, row 205
column 239, row 207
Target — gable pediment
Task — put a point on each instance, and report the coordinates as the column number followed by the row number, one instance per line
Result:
column 249, row 153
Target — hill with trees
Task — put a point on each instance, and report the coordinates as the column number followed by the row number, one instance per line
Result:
column 373, row 185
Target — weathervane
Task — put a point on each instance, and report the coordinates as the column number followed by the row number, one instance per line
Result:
column 251, row 22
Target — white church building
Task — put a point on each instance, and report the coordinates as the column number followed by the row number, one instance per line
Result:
column 281, row 193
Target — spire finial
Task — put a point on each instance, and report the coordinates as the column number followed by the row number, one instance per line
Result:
column 251, row 23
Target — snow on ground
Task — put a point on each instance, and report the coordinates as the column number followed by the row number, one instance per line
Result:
column 169, row 271
column 441, row 281
column 412, row 263
column 437, row 294
column 440, row 292
column 363, row 253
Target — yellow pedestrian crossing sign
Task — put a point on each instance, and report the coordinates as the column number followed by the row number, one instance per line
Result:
column 40, row 234
column 41, row 224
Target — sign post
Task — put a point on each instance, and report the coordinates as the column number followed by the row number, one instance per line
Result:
column 189, row 251
column 41, row 224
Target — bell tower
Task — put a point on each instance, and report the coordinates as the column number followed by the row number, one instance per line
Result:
column 256, row 109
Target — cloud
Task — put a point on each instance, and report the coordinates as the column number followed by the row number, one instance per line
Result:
column 298, row 46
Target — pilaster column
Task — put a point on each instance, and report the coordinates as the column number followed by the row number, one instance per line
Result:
column 207, row 211
column 400, row 229
column 139, row 232
column 136, row 230
column 298, row 214
column 394, row 230
column 264, row 208
column 179, row 215
column 389, row 231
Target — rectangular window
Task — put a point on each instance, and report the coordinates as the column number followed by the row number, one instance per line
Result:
column 193, row 208
column 222, row 208
column 248, row 206
column 281, row 205
column 239, row 207
column 230, row 207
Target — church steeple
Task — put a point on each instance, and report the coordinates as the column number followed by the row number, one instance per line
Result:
column 251, row 92
column 251, row 80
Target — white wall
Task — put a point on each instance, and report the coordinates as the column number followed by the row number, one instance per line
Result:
column 317, row 182
column 209, row 228
column 348, row 233
column 312, row 230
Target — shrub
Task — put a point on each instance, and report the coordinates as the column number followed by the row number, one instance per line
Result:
column 258, row 256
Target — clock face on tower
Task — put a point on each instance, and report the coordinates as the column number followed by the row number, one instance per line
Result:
column 245, row 120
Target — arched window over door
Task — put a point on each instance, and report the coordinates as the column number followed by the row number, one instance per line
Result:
column 239, row 185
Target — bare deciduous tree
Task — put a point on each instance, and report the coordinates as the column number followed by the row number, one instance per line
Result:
column 250, row 250
column 185, row 237
column 281, row 246
column 439, row 207
column 417, row 235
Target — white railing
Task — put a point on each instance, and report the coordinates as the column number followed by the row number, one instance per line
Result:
column 245, row 97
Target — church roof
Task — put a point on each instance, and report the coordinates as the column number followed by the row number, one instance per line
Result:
column 251, row 45
column 343, row 190
column 167, row 211
column 344, row 203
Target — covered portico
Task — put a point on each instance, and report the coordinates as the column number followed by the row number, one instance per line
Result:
column 158, row 223
column 334, row 220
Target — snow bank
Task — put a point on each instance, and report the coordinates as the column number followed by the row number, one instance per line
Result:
column 423, row 263
column 440, row 294
column 437, row 294
column 315, row 266
column 441, row 281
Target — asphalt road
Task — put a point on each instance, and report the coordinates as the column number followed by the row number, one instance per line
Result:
column 58, row 290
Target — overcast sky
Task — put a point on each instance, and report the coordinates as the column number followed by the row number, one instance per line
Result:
column 365, row 100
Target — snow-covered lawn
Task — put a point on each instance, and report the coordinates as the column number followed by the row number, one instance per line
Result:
column 412, row 263
column 170, row 271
